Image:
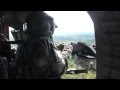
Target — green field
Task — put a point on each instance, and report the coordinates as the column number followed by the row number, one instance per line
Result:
column 90, row 75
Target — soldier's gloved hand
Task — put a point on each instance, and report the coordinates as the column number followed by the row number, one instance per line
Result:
column 67, row 51
column 68, row 48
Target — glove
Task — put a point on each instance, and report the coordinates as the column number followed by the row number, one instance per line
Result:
column 68, row 48
column 66, row 52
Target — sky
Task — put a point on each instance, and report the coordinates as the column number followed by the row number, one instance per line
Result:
column 72, row 22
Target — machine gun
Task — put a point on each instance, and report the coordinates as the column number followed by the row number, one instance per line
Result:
column 84, row 55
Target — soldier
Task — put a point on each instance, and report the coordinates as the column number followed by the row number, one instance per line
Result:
column 38, row 58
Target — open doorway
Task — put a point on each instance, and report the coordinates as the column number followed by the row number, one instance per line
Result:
column 75, row 27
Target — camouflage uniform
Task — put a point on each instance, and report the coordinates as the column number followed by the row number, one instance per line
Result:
column 38, row 58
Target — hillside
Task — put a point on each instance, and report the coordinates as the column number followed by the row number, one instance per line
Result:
column 87, row 38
